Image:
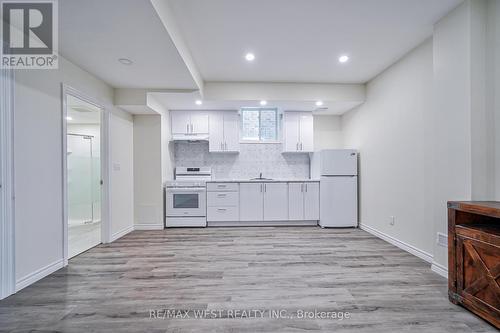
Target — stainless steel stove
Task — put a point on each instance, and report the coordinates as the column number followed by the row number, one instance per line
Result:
column 185, row 199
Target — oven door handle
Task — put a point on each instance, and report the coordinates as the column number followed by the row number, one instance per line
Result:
column 186, row 189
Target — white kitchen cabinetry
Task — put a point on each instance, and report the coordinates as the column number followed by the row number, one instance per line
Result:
column 224, row 132
column 251, row 201
column 222, row 202
column 298, row 132
column 275, row 201
column 303, row 201
column 189, row 122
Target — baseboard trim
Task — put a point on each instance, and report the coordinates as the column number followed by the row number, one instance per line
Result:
column 121, row 233
column 439, row 269
column 261, row 223
column 38, row 274
column 149, row 227
column 396, row 242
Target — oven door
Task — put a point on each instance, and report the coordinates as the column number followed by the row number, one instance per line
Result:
column 186, row 202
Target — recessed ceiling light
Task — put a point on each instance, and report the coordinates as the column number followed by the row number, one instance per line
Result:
column 343, row 58
column 319, row 103
column 69, row 118
column 263, row 102
column 250, row 57
column 125, row 61
column 198, row 102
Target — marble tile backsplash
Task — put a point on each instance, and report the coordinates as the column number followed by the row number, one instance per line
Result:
column 253, row 159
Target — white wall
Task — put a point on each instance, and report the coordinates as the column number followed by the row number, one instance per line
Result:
column 327, row 132
column 390, row 131
column 493, row 82
column 121, row 135
column 38, row 163
column 148, row 186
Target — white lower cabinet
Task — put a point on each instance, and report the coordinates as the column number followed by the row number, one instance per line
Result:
column 262, row 202
column 275, row 201
column 251, row 202
column 222, row 202
column 303, row 201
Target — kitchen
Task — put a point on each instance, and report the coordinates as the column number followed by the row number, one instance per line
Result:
column 217, row 183
column 244, row 166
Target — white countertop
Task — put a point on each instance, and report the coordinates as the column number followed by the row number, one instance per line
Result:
column 262, row 181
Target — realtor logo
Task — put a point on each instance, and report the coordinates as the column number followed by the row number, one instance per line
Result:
column 29, row 34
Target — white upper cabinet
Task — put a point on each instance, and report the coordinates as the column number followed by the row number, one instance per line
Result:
column 189, row 122
column 224, row 131
column 298, row 132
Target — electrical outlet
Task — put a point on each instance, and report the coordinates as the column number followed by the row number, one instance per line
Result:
column 392, row 220
column 442, row 239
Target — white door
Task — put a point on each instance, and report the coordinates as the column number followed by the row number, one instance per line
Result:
column 291, row 131
column 216, row 130
column 339, row 201
column 306, row 132
column 275, row 201
column 199, row 122
column 231, row 132
column 251, row 201
column 295, row 201
column 180, row 122
column 311, row 201
column 339, row 162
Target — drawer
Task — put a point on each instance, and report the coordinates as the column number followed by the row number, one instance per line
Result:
column 217, row 199
column 219, row 214
column 230, row 187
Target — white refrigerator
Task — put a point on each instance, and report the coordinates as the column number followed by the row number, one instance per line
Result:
column 337, row 170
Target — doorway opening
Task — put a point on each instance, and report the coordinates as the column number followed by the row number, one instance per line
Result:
column 83, row 175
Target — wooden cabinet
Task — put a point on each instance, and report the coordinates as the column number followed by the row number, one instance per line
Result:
column 474, row 257
column 251, row 202
column 189, row 122
column 275, row 201
column 303, row 201
column 224, row 131
column 298, row 132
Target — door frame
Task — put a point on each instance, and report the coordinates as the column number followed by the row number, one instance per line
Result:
column 105, row 163
column 7, row 213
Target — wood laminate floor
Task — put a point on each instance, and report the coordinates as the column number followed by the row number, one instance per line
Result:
column 281, row 271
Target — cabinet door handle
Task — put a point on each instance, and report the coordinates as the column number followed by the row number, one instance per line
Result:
column 221, row 185
column 261, row 187
column 265, row 187
column 187, row 128
column 221, row 209
column 221, row 195
column 192, row 128
column 297, row 146
column 301, row 149
column 306, row 187
column 301, row 187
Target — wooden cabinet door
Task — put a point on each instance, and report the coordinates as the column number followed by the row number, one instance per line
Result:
column 291, row 132
column 306, row 142
column 275, row 201
column 478, row 276
column 180, row 122
column 251, row 201
column 311, row 201
column 216, row 132
column 231, row 132
column 295, row 201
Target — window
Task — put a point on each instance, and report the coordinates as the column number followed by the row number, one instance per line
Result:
column 259, row 124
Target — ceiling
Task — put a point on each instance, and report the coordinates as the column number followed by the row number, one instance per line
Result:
column 301, row 40
column 185, row 101
column 94, row 34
